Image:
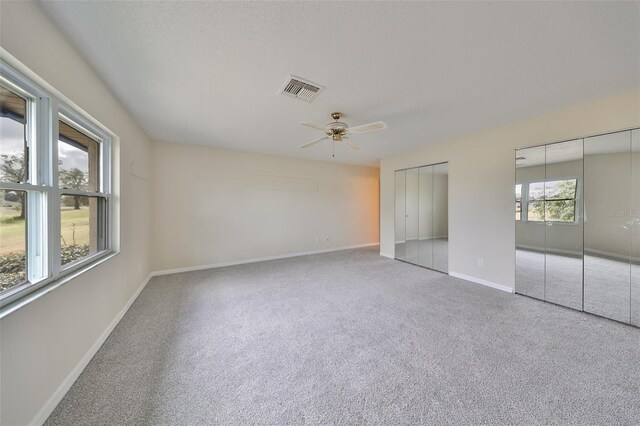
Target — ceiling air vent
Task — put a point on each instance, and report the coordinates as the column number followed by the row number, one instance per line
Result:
column 300, row 88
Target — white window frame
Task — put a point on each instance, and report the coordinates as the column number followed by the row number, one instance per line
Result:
column 43, row 201
column 522, row 190
column 524, row 211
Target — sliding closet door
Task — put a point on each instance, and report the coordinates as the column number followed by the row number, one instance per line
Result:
column 607, row 233
column 441, row 217
column 530, row 226
column 400, row 226
column 425, row 224
column 635, row 230
column 421, row 216
column 563, row 223
column 412, row 200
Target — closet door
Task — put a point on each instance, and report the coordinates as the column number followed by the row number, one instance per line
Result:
column 635, row 230
column 400, row 216
column 441, row 217
column 530, row 226
column 425, row 225
column 412, row 202
column 563, row 223
column 607, row 227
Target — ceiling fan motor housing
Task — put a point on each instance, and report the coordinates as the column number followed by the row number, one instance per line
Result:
column 336, row 130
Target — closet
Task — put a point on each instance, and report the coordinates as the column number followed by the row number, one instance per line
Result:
column 421, row 216
column 577, row 218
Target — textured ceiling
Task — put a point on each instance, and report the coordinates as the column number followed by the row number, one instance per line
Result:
column 209, row 72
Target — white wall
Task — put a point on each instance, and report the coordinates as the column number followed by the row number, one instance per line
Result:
column 236, row 206
column 41, row 343
column 214, row 205
column 227, row 206
column 481, row 178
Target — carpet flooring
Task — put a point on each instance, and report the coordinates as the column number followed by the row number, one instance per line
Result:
column 611, row 287
column 351, row 337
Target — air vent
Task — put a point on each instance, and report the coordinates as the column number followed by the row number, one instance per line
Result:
column 300, row 88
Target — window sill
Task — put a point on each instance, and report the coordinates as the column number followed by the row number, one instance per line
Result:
column 47, row 286
column 534, row 222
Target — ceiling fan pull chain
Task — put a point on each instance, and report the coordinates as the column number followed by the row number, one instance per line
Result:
column 333, row 149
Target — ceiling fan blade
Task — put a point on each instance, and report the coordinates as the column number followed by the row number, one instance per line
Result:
column 313, row 126
column 352, row 145
column 370, row 127
column 313, row 142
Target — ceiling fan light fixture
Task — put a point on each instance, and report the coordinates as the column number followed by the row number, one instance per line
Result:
column 338, row 131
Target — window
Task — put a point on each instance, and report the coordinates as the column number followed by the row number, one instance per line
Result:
column 80, row 212
column 551, row 201
column 55, row 188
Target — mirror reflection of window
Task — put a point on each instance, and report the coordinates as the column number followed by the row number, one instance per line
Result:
column 560, row 201
column 552, row 201
column 535, row 206
column 518, row 201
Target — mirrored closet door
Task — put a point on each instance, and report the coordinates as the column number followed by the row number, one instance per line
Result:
column 578, row 224
column 563, row 220
column 412, row 211
column 607, row 263
column 530, row 231
column 400, row 212
column 421, row 216
column 635, row 227
column 549, row 225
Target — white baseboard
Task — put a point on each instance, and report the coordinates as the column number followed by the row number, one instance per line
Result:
column 611, row 255
column 579, row 253
column 62, row 390
column 64, row 387
column 483, row 282
column 435, row 237
column 386, row 255
column 257, row 259
column 553, row 251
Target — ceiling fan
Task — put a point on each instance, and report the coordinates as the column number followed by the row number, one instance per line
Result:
column 339, row 131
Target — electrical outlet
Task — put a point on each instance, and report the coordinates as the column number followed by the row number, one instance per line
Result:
column 481, row 262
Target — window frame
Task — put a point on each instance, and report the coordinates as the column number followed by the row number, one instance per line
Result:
column 45, row 107
column 577, row 200
column 521, row 200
